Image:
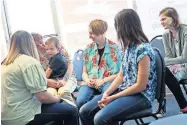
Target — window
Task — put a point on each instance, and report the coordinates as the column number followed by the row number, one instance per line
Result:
column 77, row 14
column 30, row 15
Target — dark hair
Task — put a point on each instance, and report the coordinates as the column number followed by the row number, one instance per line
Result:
column 53, row 40
column 128, row 27
column 98, row 26
column 171, row 12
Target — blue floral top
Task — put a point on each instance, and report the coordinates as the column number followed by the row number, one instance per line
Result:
column 130, row 59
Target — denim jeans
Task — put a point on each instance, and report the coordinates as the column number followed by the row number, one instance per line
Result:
column 116, row 110
column 86, row 93
column 61, row 114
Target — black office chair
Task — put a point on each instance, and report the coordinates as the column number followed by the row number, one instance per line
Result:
column 157, row 43
column 160, row 94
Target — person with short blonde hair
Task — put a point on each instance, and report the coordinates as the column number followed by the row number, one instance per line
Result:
column 24, row 99
column 101, row 63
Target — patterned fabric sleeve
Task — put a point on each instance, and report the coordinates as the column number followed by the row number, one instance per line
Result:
column 116, row 59
column 143, row 51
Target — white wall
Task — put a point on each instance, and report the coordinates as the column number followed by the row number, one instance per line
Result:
column 148, row 11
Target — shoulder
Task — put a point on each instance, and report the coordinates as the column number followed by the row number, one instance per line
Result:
column 166, row 34
column 58, row 58
column 89, row 47
column 184, row 28
column 25, row 61
column 144, row 47
column 111, row 42
column 28, row 59
column 112, row 45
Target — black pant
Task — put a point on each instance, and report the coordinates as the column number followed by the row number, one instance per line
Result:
column 61, row 114
column 174, row 87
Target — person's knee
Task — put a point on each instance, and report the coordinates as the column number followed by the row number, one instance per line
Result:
column 52, row 91
column 82, row 97
column 84, row 111
column 80, row 102
column 100, row 119
column 61, row 91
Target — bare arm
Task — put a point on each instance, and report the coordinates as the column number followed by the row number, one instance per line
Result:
column 110, row 78
column 46, row 98
column 85, row 74
column 48, row 72
column 68, row 72
column 140, row 85
column 115, row 84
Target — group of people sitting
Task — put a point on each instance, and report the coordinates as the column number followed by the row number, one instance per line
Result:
column 37, row 78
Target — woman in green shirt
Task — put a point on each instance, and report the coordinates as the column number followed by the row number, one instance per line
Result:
column 24, row 97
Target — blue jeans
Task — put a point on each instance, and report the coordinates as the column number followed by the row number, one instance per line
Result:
column 86, row 93
column 61, row 114
column 117, row 110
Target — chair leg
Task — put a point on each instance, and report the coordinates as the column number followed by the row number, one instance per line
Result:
column 141, row 120
column 185, row 88
column 136, row 120
column 122, row 122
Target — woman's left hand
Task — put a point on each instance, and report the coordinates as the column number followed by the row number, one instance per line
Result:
column 105, row 101
column 61, row 83
column 98, row 83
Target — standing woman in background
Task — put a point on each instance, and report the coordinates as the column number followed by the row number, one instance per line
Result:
column 175, row 44
column 24, row 97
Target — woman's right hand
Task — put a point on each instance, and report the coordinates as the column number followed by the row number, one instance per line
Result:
column 100, row 103
column 51, row 83
column 90, row 82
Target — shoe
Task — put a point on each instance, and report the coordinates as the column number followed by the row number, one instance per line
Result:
column 184, row 110
column 160, row 115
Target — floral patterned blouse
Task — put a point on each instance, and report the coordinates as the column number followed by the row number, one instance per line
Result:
column 130, row 59
column 109, row 64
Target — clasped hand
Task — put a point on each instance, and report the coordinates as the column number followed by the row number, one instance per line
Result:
column 95, row 83
column 105, row 100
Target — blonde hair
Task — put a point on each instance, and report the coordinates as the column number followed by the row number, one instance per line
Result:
column 98, row 26
column 36, row 35
column 53, row 40
column 21, row 43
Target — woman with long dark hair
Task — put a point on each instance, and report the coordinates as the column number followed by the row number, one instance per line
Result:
column 133, row 89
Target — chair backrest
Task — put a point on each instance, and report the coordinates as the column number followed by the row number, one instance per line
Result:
column 158, row 43
column 160, row 72
column 78, row 64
